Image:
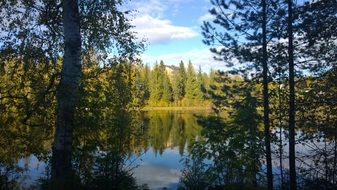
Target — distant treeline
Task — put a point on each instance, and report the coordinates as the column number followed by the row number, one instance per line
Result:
column 173, row 86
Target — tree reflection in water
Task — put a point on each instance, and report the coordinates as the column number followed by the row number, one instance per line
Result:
column 220, row 154
column 104, row 143
column 230, row 154
column 233, row 149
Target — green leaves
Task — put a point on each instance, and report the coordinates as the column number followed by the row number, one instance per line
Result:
column 104, row 28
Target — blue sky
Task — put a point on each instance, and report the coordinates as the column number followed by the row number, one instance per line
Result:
column 172, row 30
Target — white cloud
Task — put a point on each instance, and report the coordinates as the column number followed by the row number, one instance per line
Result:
column 206, row 17
column 151, row 23
column 149, row 7
column 157, row 30
column 157, row 8
column 198, row 57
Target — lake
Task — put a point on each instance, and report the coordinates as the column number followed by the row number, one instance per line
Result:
column 169, row 136
column 154, row 149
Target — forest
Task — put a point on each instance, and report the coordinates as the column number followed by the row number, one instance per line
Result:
column 168, row 86
column 77, row 101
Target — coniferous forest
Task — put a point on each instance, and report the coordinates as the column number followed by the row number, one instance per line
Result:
column 171, row 86
column 80, row 109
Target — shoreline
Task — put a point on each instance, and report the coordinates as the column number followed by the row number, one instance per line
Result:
column 177, row 108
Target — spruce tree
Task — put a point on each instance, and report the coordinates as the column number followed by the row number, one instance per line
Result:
column 165, row 84
column 175, row 90
column 199, row 92
column 146, row 80
column 191, row 83
column 212, row 76
column 180, row 82
column 155, row 85
column 206, row 85
column 138, row 88
column 167, row 89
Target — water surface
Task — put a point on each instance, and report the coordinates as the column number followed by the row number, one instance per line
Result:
column 155, row 148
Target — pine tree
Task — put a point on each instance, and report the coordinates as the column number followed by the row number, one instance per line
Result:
column 292, row 156
column 246, row 30
column 266, row 109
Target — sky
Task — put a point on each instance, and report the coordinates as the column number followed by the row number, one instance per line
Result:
column 172, row 29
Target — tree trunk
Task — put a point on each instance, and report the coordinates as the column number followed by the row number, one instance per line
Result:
column 66, row 97
column 266, row 96
column 292, row 167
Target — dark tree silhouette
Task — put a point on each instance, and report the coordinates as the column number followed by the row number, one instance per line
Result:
column 292, row 156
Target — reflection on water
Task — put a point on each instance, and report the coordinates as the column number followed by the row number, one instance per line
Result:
column 166, row 137
column 235, row 148
column 150, row 145
column 159, row 171
column 161, row 149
